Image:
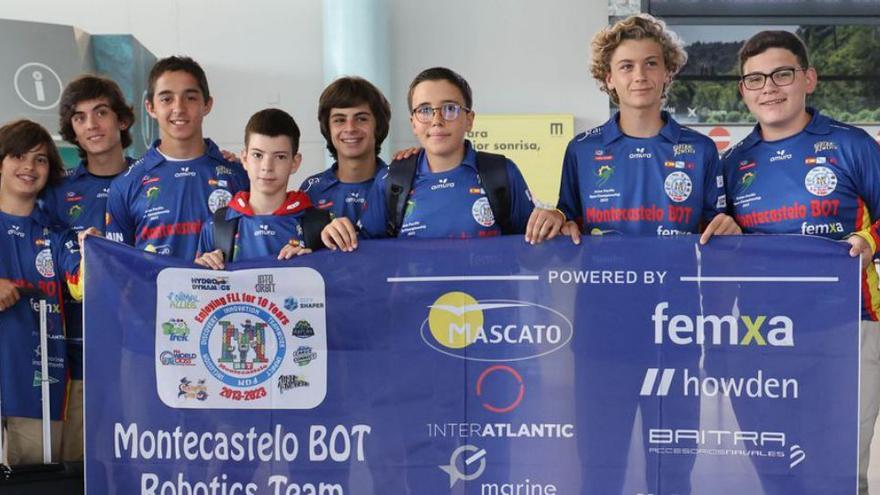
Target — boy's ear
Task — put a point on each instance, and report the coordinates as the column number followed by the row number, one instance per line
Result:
column 243, row 155
column 149, row 106
column 209, row 104
column 297, row 161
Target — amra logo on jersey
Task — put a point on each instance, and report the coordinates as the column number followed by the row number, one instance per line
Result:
column 460, row 326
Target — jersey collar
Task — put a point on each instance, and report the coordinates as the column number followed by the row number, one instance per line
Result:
column 296, row 202
column 81, row 171
column 818, row 124
column 152, row 158
column 469, row 160
column 670, row 131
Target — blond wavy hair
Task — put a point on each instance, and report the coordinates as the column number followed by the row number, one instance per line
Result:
column 636, row 27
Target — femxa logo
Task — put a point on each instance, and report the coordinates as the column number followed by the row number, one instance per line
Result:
column 460, row 326
column 683, row 329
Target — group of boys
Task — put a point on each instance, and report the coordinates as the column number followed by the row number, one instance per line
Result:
column 180, row 198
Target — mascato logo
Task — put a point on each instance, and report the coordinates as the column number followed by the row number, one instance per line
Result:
column 460, row 326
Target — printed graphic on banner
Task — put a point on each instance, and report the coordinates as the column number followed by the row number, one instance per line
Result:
column 478, row 368
column 251, row 347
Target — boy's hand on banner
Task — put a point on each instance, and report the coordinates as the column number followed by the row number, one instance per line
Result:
column 340, row 234
column 8, row 294
column 291, row 249
column 722, row 224
column 212, row 260
column 544, row 224
column 860, row 247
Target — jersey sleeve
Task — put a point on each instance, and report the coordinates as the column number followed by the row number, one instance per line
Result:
column 866, row 174
column 206, row 238
column 67, row 259
column 119, row 222
column 521, row 204
column 714, row 199
column 49, row 204
column 375, row 212
column 241, row 182
column 569, row 197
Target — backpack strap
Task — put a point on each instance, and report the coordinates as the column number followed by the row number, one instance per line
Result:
column 313, row 222
column 397, row 188
column 224, row 233
column 492, row 169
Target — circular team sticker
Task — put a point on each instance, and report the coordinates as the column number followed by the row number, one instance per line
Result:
column 821, row 181
column 482, row 212
column 218, row 199
column 44, row 263
column 678, row 186
column 242, row 345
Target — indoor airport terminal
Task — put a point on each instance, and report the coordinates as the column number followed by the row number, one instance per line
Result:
column 471, row 247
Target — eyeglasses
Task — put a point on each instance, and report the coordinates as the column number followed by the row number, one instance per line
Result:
column 781, row 77
column 449, row 112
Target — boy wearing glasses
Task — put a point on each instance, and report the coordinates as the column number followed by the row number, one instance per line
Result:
column 446, row 199
column 354, row 118
column 800, row 172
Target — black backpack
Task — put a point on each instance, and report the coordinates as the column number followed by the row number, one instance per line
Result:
column 312, row 222
column 491, row 168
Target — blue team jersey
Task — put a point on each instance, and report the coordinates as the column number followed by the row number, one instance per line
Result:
column 260, row 236
column 449, row 204
column 343, row 199
column 664, row 185
column 79, row 202
column 823, row 181
column 160, row 205
column 37, row 257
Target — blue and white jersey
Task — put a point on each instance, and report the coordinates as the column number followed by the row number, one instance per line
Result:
column 343, row 199
column 260, row 236
column 450, row 204
column 34, row 257
column 80, row 200
column 78, row 203
column 159, row 205
column 668, row 184
column 823, row 181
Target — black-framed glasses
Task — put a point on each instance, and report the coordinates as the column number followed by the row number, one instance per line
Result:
column 783, row 76
column 449, row 112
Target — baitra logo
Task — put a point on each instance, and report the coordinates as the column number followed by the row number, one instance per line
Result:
column 460, row 326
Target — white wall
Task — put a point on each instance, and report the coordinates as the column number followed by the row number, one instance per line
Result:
column 520, row 56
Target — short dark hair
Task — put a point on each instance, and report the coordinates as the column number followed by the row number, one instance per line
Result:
column 273, row 122
column 442, row 74
column 20, row 136
column 351, row 91
column 176, row 63
column 766, row 40
column 91, row 87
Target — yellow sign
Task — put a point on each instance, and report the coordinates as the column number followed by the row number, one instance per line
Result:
column 536, row 143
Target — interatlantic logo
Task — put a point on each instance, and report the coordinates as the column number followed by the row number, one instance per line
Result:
column 460, row 326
